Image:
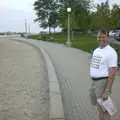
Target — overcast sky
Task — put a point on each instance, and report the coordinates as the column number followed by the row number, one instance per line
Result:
column 14, row 12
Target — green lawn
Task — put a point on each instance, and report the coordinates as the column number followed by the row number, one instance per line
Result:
column 83, row 42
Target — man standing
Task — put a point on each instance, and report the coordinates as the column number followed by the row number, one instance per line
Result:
column 103, row 69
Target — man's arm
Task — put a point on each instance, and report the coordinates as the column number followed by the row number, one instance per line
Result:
column 111, row 76
column 108, row 86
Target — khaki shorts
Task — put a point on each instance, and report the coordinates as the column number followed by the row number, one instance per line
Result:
column 96, row 89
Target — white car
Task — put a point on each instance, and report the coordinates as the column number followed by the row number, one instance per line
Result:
column 112, row 33
column 115, row 34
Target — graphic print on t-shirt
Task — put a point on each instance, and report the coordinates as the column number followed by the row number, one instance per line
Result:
column 96, row 61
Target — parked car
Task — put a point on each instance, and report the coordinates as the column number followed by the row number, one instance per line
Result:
column 111, row 33
column 115, row 34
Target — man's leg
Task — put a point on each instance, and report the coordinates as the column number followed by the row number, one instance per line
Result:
column 103, row 115
column 99, row 87
column 107, row 116
column 96, row 89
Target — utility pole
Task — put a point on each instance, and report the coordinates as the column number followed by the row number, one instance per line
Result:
column 25, row 25
column 29, row 29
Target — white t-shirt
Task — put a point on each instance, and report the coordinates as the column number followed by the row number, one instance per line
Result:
column 102, row 60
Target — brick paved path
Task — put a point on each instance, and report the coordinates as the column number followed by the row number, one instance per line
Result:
column 23, row 82
column 72, row 68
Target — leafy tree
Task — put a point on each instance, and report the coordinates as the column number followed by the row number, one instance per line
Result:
column 115, row 17
column 101, row 17
column 79, row 13
column 46, row 11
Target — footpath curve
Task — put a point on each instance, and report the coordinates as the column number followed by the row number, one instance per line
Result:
column 56, row 111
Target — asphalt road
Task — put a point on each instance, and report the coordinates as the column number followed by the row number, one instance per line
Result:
column 23, row 82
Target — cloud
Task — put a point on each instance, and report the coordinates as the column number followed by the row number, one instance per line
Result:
column 111, row 2
column 14, row 20
column 26, row 5
column 13, row 14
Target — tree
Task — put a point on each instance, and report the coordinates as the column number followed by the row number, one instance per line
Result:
column 46, row 11
column 53, row 20
column 115, row 17
column 101, row 17
column 79, row 13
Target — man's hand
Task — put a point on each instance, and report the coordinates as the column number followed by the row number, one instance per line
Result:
column 106, row 94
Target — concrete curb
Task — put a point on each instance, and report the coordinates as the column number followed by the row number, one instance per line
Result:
column 56, row 111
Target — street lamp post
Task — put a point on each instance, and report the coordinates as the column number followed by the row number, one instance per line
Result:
column 68, row 43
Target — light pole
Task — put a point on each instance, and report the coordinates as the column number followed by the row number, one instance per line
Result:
column 68, row 43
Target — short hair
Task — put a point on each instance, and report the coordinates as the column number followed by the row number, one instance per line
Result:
column 103, row 31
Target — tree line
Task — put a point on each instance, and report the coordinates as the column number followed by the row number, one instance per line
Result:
column 84, row 15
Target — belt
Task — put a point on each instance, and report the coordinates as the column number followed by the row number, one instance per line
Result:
column 100, row 78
